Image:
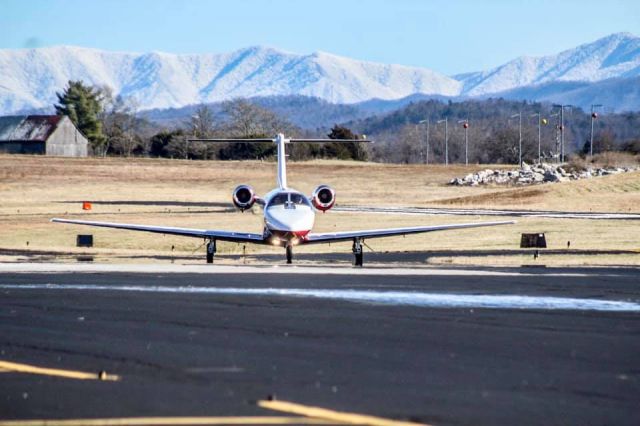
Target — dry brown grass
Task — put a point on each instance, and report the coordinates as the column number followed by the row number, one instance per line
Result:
column 605, row 159
column 34, row 189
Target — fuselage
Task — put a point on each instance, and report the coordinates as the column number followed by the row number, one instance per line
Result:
column 288, row 217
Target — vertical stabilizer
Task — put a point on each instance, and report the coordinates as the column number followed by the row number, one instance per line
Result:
column 282, row 161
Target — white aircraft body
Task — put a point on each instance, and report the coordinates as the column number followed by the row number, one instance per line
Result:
column 288, row 214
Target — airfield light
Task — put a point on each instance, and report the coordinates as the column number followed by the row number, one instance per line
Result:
column 594, row 115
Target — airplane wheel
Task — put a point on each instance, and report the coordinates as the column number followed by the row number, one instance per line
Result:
column 359, row 259
column 289, row 254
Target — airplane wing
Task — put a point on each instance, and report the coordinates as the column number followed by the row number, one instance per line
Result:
column 236, row 237
column 379, row 233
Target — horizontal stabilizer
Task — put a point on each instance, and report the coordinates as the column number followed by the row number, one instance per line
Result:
column 263, row 140
column 330, row 140
column 258, row 140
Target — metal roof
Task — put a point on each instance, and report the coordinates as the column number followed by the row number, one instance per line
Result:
column 32, row 128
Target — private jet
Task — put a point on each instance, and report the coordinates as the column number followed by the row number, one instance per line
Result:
column 289, row 215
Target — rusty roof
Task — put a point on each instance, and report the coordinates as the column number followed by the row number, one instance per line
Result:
column 31, row 128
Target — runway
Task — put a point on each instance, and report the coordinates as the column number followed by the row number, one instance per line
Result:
column 437, row 346
column 436, row 211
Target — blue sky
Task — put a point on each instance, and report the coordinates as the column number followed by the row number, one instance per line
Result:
column 447, row 36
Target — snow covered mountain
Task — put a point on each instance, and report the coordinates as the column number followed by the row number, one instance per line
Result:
column 607, row 68
column 161, row 80
column 615, row 56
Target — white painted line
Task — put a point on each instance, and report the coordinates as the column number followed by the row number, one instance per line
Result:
column 397, row 298
column 268, row 269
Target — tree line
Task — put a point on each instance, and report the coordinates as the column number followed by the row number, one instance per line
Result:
column 113, row 127
column 417, row 131
column 413, row 134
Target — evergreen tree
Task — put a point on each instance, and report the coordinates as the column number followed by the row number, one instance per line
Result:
column 161, row 142
column 83, row 105
column 344, row 151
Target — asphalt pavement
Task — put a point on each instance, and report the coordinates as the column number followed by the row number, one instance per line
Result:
column 212, row 344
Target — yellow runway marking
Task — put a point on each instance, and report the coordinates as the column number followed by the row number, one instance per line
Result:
column 70, row 374
column 170, row 421
column 336, row 416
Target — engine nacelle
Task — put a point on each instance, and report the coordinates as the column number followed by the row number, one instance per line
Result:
column 244, row 197
column 323, row 198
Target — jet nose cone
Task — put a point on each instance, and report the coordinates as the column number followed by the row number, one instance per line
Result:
column 292, row 220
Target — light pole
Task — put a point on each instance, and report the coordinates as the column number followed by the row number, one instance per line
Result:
column 421, row 122
column 557, row 150
column 519, row 115
column 594, row 115
column 446, row 139
column 465, row 126
column 562, row 107
column 537, row 114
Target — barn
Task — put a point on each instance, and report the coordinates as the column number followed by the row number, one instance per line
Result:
column 41, row 134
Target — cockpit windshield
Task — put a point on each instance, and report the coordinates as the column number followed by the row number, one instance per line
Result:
column 289, row 199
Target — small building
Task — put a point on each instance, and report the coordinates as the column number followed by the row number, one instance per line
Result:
column 41, row 134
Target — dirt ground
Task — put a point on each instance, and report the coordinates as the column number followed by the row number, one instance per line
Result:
column 197, row 194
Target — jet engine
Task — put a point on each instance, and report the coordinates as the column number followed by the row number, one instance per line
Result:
column 323, row 198
column 244, row 197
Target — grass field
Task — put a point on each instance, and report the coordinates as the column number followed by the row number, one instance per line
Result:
column 197, row 194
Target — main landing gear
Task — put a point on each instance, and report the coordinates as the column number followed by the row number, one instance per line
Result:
column 211, row 250
column 289, row 254
column 357, row 251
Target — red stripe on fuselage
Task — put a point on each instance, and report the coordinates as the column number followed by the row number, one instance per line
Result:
column 289, row 235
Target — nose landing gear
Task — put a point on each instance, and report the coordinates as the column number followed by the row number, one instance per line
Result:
column 289, row 254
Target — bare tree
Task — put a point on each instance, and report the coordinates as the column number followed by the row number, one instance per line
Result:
column 202, row 122
column 404, row 147
column 119, row 125
column 247, row 120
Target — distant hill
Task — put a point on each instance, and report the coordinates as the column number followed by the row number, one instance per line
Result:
column 616, row 94
column 488, row 117
column 605, row 71
column 303, row 111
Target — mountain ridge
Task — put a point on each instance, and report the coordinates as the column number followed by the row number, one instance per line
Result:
column 157, row 80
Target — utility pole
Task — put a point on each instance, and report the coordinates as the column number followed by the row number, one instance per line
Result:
column 519, row 115
column 465, row 126
column 594, row 115
column 557, row 144
column 446, row 139
column 562, row 134
column 420, row 142
column 537, row 114
column 562, row 107
column 426, row 120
